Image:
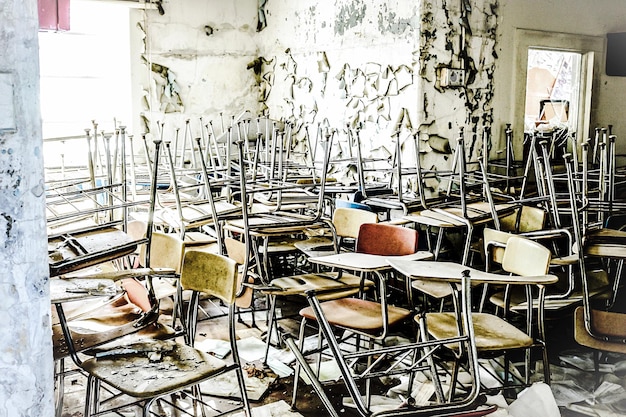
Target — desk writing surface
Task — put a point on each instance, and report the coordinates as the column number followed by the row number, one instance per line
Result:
column 364, row 261
column 71, row 252
column 65, row 290
column 452, row 271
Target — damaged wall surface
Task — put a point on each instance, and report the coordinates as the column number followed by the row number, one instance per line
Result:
column 358, row 63
column 192, row 62
column 353, row 64
column 26, row 365
column 376, row 66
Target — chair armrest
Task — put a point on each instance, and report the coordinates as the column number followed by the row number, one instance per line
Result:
column 539, row 280
column 126, row 273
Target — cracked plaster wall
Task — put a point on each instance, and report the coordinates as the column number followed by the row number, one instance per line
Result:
column 376, row 64
column 349, row 63
column 26, row 365
column 192, row 61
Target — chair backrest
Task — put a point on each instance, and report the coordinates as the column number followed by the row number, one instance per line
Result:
column 347, row 221
column 210, row 273
column 236, row 250
column 137, row 294
column 136, row 230
column 524, row 219
column 386, row 239
column 525, row 257
column 166, row 251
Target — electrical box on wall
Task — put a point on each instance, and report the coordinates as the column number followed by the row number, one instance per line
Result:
column 451, row 77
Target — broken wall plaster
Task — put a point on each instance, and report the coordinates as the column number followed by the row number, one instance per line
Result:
column 470, row 43
column 353, row 83
column 428, row 38
column 355, row 97
column 205, row 82
column 349, row 16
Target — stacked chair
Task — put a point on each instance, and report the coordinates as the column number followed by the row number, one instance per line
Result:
column 463, row 208
column 358, row 368
column 598, row 325
column 494, row 336
column 96, row 252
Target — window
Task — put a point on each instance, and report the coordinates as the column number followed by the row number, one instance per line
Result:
column 85, row 72
column 552, row 87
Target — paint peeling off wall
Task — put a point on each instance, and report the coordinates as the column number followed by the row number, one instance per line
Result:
column 349, row 16
column 194, row 62
column 166, row 89
column 311, row 90
column 467, row 42
column 352, row 65
column 366, row 65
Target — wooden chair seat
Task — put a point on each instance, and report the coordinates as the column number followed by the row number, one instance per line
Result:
column 477, row 212
column 491, row 332
column 112, row 322
column 434, row 289
column 609, row 323
column 606, row 236
column 606, row 250
column 154, row 368
column 598, row 287
column 299, row 284
column 281, row 246
column 612, row 323
column 358, row 314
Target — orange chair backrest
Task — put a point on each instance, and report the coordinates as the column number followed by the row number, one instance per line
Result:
column 137, row 294
column 386, row 239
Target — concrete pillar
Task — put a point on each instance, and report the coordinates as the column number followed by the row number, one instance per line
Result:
column 26, row 365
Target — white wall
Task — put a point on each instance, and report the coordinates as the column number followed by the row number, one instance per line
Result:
column 356, row 63
column 317, row 57
column 592, row 18
column 186, row 71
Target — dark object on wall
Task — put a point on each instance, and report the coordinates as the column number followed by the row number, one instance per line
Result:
column 54, row 14
column 616, row 54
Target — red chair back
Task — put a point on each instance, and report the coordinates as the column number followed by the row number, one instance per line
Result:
column 386, row 239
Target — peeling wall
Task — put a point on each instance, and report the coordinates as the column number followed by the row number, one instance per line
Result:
column 192, row 62
column 26, row 364
column 344, row 65
column 375, row 65
column 311, row 60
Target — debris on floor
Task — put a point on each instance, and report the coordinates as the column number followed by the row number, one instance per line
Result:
column 276, row 409
column 577, row 388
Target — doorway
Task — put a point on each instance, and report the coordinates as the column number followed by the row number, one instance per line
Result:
column 554, row 82
column 552, row 87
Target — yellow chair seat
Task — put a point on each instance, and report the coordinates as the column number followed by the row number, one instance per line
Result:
column 491, row 332
column 613, row 321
